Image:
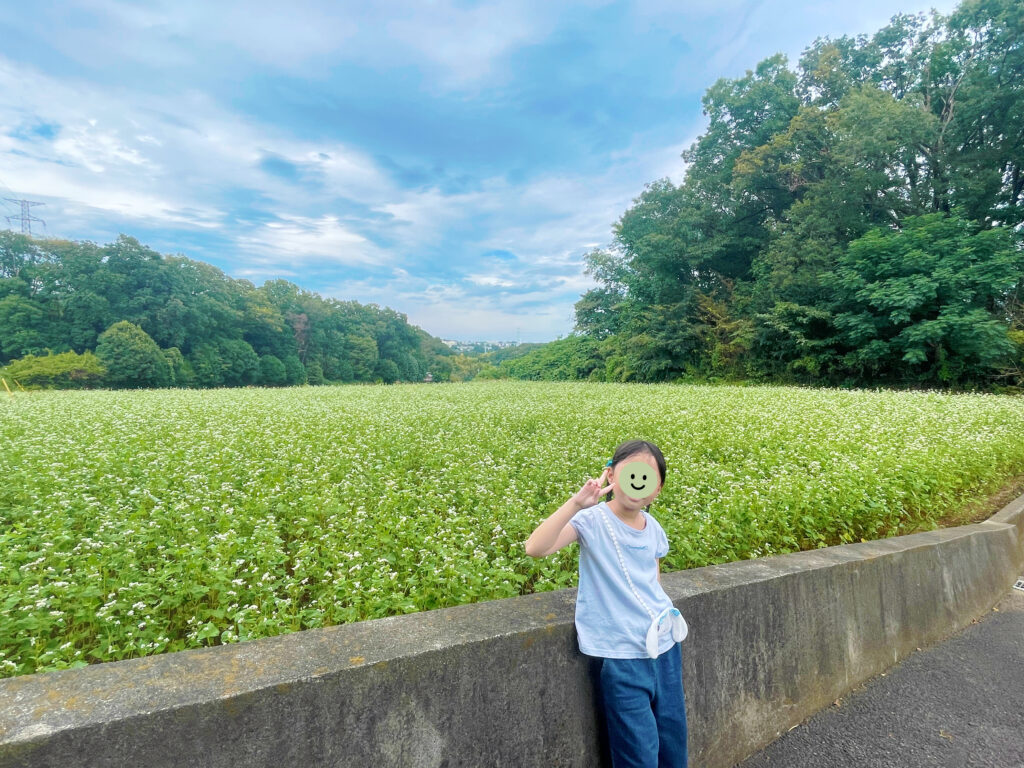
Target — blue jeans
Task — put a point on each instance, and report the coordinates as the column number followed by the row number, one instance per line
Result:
column 645, row 710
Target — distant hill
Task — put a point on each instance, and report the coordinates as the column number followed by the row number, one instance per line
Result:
column 61, row 296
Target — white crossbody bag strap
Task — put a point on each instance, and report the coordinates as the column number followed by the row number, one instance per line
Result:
column 622, row 564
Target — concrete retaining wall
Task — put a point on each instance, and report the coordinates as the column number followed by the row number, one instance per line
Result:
column 502, row 683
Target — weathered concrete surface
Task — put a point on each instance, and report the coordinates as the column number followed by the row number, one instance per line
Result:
column 777, row 639
column 502, row 683
column 443, row 687
column 958, row 703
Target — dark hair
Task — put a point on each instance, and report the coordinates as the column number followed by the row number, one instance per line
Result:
column 631, row 448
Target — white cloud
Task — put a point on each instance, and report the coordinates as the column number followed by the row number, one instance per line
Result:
column 129, row 158
column 549, row 223
column 97, row 148
column 76, row 193
column 449, row 311
column 463, row 44
column 167, row 32
column 419, row 218
column 459, row 45
column 300, row 239
column 491, row 281
column 257, row 275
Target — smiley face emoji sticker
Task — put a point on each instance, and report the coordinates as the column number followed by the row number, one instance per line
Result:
column 638, row 479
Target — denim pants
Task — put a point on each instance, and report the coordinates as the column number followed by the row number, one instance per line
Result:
column 645, row 710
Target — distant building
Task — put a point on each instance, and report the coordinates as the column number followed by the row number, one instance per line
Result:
column 478, row 346
column 429, row 377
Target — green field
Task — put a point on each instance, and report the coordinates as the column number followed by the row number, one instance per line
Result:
column 134, row 523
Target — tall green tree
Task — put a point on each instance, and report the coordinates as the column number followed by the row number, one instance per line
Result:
column 984, row 75
column 272, row 371
column 24, row 327
column 295, row 371
column 207, row 365
column 735, row 270
column 131, row 357
column 239, row 363
column 920, row 300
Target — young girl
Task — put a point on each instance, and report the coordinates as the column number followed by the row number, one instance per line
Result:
column 623, row 616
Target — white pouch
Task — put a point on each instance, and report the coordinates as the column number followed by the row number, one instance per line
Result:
column 669, row 620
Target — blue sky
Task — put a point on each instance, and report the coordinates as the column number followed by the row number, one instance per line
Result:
column 452, row 160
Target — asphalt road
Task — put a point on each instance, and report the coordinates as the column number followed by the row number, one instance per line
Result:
column 959, row 703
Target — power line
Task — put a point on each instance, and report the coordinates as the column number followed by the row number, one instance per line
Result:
column 26, row 218
column 3, row 186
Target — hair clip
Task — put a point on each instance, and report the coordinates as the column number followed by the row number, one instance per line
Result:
column 609, row 463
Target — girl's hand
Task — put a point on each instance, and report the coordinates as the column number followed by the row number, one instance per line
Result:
column 591, row 491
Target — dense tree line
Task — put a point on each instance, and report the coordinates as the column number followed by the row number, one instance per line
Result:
column 79, row 314
column 856, row 221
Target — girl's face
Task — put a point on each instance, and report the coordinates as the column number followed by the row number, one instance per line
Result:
column 635, row 475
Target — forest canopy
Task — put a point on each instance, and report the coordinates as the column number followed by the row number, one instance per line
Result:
column 855, row 220
column 121, row 315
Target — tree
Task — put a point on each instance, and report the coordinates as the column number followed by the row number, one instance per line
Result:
column 295, row 371
column 23, row 327
column 131, row 357
column 726, row 230
column 241, row 365
column 345, row 372
column 315, row 373
column 982, row 70
column 60, row 295
column 85, row 315
column 16, row 252
column 409, row 368
column 207, row 366
column 272, row 371
column 572, row 358
column 362, row 356
column 137, row 283
column 181, row 372
column 67, row 370
column 920, row 299
column 387, row 370
column 597, row 312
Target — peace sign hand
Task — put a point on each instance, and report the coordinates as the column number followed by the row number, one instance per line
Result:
column 591, row 491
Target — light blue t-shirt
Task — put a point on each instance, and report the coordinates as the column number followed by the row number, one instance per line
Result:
column 610, row 622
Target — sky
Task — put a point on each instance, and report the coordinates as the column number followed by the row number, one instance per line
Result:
column 452, row 160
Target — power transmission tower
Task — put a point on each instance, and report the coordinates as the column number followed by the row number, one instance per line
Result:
column 26, row 217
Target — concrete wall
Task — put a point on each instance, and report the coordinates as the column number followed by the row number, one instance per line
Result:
column 502, row 683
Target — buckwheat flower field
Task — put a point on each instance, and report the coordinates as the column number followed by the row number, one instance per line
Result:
column 136, row 523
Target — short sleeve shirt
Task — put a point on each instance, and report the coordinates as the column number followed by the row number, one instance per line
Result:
column 610, row 621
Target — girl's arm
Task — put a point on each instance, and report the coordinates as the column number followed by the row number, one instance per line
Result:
column 555, row 532
column 658, row 561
